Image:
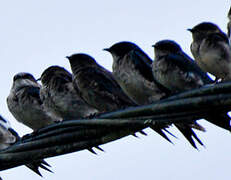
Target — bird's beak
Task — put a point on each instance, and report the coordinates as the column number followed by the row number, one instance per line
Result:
column 190, row 30
column 39, row 79
column 106, row 49
column 68, row 57
column 154, row 45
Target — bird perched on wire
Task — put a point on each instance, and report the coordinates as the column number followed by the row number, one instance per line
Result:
column 9, row 136
column 59, row 96
column 96, row 85
column 132, row 70
column 175, row 70
column 25, row 104
column 211, row 50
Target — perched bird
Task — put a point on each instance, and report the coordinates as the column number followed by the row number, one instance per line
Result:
column 96, row 85
column 215, row 56
column 211, row 50
column 59, row 96
column 178, row 72
column 175, row 70
column 9, row 136
column 133, row 71
column 199, row 32
column 25, row 104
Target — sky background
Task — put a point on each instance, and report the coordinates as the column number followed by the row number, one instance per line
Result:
column 37, row 34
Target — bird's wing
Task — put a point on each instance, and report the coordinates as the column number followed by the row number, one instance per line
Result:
column 188, row 67
column 143, row 65
column 107, row 86
column 192, row 64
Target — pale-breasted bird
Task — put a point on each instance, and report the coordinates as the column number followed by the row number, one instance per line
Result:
column 96, row 85
column 8, row 137
column 132, row 70
column 199, row 32
column 215, row 55
column 25, row 104
column 59, row 96
column 175, row 70
column 211, row 50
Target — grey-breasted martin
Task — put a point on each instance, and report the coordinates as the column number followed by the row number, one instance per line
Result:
column 25, row 104
column 211, row 50
column 175, row 70
column 132, row 70
column 59, row 96
column 199, row 32
column 96, row 85
column 215, row 55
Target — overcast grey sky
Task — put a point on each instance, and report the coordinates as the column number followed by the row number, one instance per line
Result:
column 37, row 34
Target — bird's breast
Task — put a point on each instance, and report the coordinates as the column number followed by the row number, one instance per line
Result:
column 135, row 85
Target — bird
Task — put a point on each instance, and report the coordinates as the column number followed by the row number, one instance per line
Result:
column 25, row 104
column 211, row 50
column 8, row 137
column 199, row 32
column 96, row 85
column 59, row 96
column 175, row 70
column 215, row 56
column 132, row 69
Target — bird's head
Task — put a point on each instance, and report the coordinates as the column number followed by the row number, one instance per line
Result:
column 81, row 60
column 24, row 79
column 165, row 47
column 54, row 73
column 203, row 29
column 120, row 49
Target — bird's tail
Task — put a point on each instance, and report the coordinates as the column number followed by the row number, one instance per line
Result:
column 220, row 119
column 34, row 166
column 160, row 130
column 189, row 134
